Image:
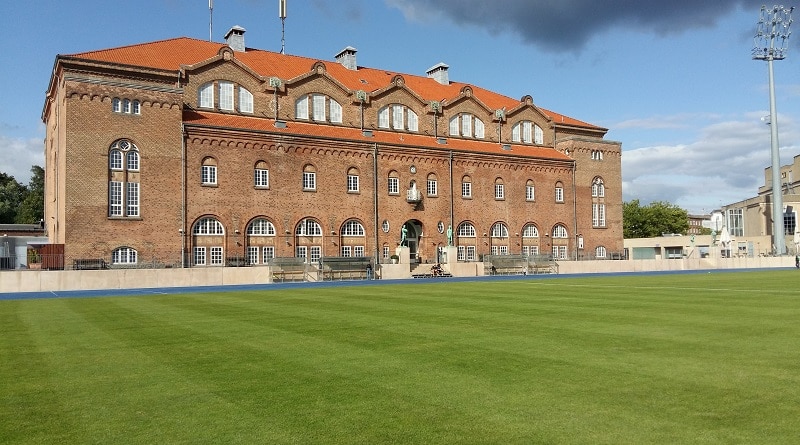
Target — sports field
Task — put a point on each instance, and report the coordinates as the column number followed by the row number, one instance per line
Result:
column 674, row 359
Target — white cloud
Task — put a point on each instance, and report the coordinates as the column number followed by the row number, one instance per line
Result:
column 18, row 155
column 724, row 165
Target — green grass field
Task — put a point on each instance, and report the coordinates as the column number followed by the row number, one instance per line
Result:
column 674, row 359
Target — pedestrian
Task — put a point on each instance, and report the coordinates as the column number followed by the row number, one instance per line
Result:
column 797, row 261
column 369, row 271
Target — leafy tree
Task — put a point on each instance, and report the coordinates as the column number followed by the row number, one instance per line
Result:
column 11, row 195
column 653, row 220
column 31, row 209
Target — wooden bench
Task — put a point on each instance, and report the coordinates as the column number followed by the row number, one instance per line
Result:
column 288, row 269
column 89, row 264
column 345, row 268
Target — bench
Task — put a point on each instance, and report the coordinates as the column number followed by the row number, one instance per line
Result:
column 345, row 268
column 288, row 269
column 505, row 264
column 89, row 264
column 542, row 264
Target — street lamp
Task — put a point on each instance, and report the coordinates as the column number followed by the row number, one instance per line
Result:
column 774, row 25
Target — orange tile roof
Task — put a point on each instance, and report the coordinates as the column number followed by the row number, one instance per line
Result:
column 220, row 120
column 172, row 54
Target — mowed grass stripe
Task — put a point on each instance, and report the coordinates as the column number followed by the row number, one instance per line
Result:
column 592, row 360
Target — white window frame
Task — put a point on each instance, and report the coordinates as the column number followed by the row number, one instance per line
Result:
column 261, row 227
column 394, row 186
column 499, row 191
column 115, row 198
column 252, row 255
column 412, row 120
column 353, row 228
column 216, row 255
column 538, row 135
column 309, row 181
column 530, row 192
column 559, row 191
column 466, row 189
column 132, row 198
column 199, row 255
column 208, row 175
column 301, row 108
column 336, row 111
column 267, row 253
column 124, row 255
column 245, row 100
column 226, row 96
column 261, row 178
column 383, row 117
column 206, row 95
column 352, row 183
column 432, row 187
column 466, row 230
column 318, row 107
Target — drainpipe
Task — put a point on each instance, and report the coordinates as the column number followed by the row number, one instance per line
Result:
column 452, row 197
column 575, row 207
column 375, row 202
column 183, row 196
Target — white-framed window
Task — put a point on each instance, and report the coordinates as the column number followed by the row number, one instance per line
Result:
column 301, row 252
column 466, row 125
column 530, row 191
column 560, row 252
column 385, row 226
column 471, row 253
column 208, row 173
column 226, row 96
column 432, row 185
column 383, row 117
column 124, row 255
column 499, row 190
column 598, row 188
column 530, row 231
column 358, row 250
column 267, row 253
column 126, row 106
column 440, row 226
column 480, row 131
column 206, row 95
column 559, row 231
column 466, row 230
column 208, row 226
column 261, row 175
column 318, row 107
column 412, row 120
column 347, row 251
column 499, row 230
column 316, row 254
column 352, row 228
column 398, row 117
column 522, row 132
column 394, row 184
column 352, row 180
column 309, row 178
column 466, row 187
column 309, row 227
column 598, row 215
column 538, row 135
column 261, row 227
column 385, row 252
column 199, row 255
column 245, row 100
column 597, row 155
column 123, row 181
column 252, row 255
column 462, row 253
column 216, row 255
column 559, row 192
column 600, row 252
column 116, row 105
column 336, row 111
column 301, row 108
column 530, row 250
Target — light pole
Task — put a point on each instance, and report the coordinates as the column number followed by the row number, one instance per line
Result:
column 774, row 25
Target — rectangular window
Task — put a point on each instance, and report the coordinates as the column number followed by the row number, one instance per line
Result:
column 499, row 191
column 413, row 121
column 136, row 107
column 319, row 107
column 116, row 105
column 397, row 117
column 358, row 250
column 216, row 256
column 432, row 188
column 268, row 253
column 252, row 254
column 200, row 256
column 245, row 101
column 598, row 215
column 207, row 96
column 560, row 252
column 471, row 253
column 559, row 194
column 309, row 181
column 132, row 198
column 538, row 135
column 301, row 108
column 126, row 106
column 394, row 186
column 479, row 130
column 466, row 125
column 347, row 251
column 527, row 131
column 301, row 252
column 462, row 253
column 466, row 190
column 789, row 223
column 115, row 198
column 209, row 175
column 336, row 111
column 352, row 183
column 503, row 250
column 736, row 222
column 454, row 126
column 316, row 253
column 495, row 250
column 383, row 118
column 226, row 96
column 529, row 193
column 385, row 252
column 261, row 177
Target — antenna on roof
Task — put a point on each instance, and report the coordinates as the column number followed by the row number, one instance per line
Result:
column 210, row 19
column 282, row 15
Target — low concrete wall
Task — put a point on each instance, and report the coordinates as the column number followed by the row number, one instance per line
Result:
column 61, row 280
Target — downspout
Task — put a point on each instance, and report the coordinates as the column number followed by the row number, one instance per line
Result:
column 375, row 203
column 452, row 196
column 183, row 196
column 575, row 206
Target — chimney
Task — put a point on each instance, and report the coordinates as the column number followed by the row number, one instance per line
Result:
column 438, row 73
column 235, row 38
column 347, row 57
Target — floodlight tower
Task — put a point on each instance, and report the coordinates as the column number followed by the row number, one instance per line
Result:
column 771, row 43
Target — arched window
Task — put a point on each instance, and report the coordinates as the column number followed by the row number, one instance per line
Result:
column 530, row 191
column 466, row 125
column 466, row 230
column 352, row 180
column 398, row 117
column 261, row 227
column 309, row 227
column 559, row 231
column 393, row 183
column 309, row 178
column 530, row 231
column 124, row 255
column 499, row 230
column 352, row 228
column 432, row 185
column 598, row 203
column 123, row 184
column 261, row 175
column 466, row 187
column 559, row 192
column 208, row 171
column 245, row 100
column 318, row 107
column 208, row 226
column 600, row 252
column 598, row 188
column 499, row 189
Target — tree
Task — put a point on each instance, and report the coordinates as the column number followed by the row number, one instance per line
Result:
column 653, row 220
column 31, row 209
column 11, row 195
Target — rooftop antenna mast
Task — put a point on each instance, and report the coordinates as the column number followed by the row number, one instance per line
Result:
column 210, row 20
column 282, row 15
column 771, row 43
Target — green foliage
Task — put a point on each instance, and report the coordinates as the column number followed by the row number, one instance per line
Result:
column 653, row 220
column 20, row 204
column 672, row 359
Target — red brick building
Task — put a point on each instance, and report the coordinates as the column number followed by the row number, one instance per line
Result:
column 197, row 152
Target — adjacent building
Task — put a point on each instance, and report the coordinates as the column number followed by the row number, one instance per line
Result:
column 193, row 153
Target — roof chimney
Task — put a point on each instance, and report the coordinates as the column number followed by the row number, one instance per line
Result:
column 235, row 38
column 347, row 57
column 438, row 73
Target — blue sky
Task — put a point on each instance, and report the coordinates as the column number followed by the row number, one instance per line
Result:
column 673, row 81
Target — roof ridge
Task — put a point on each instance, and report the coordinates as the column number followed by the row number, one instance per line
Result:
column 142, row 44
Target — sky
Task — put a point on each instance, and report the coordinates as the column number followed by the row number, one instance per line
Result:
column 673, row 81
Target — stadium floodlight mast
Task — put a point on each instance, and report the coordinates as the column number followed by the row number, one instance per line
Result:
column 771, row 43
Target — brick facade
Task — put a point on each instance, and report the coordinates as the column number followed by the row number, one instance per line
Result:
column 175, row 136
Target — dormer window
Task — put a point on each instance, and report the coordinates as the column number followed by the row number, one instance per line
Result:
column 228, row 97
column 402, row 118
column 527, row 132
column 467, row 125
column 319, row 108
